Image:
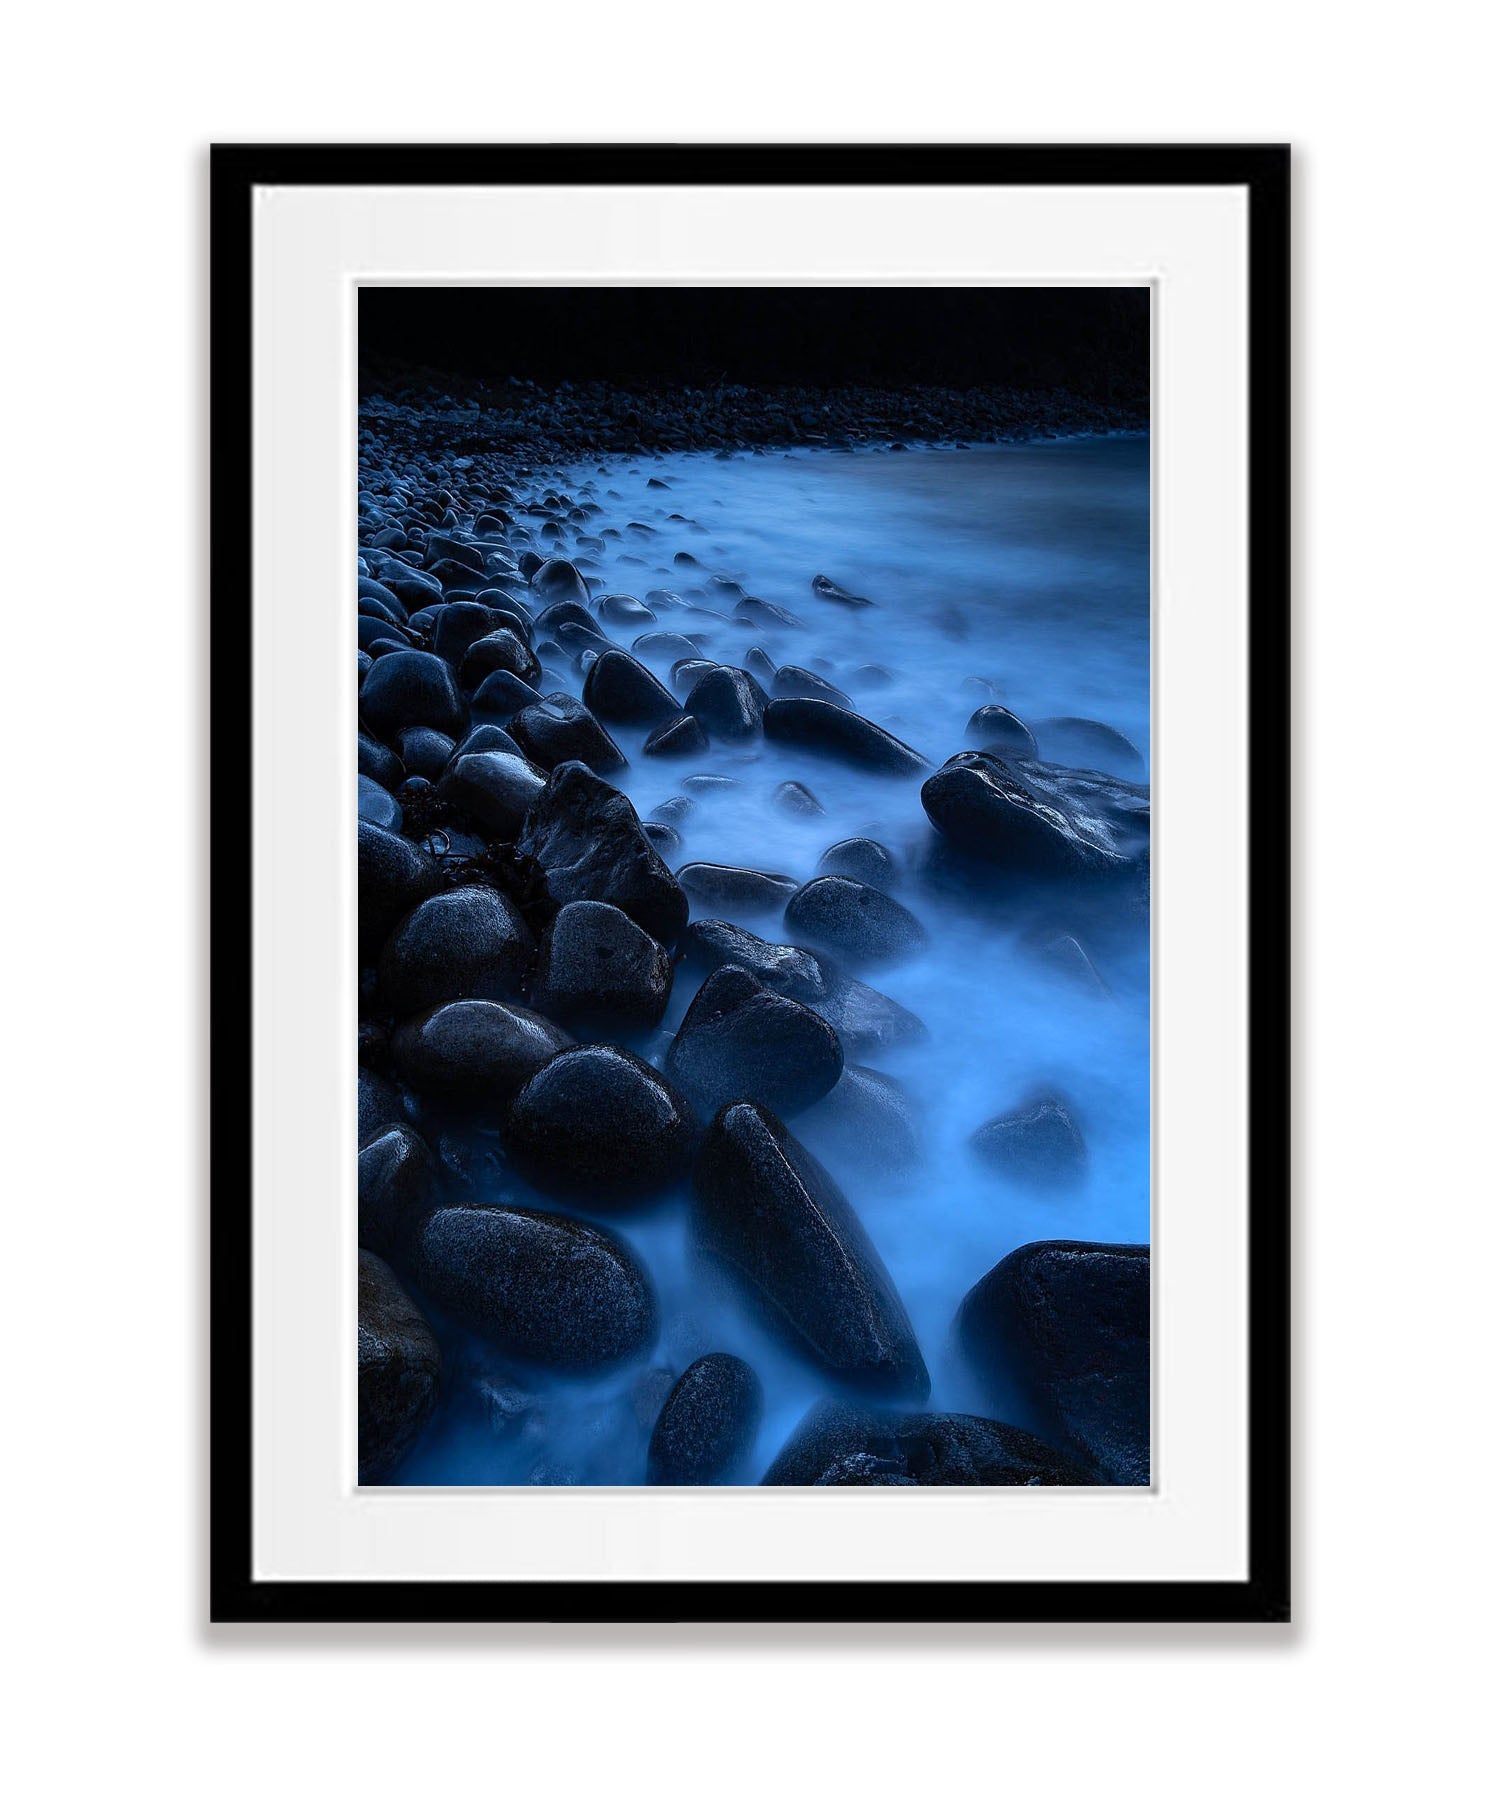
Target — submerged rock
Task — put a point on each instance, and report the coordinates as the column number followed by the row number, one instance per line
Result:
column 474, row 1055
column 995, row 728
column 1071, row 1323
column 830, row 590
column 597, row 1124
column 598, row 971
column 987, row 809
column 793, row 683
column 848, row 737
column 707, row 1425
column 741, row 1041
column 858, row 924
column 587, row 844
column 721, row 887
column 500, row 650
column 682, row 736
column 1038, row 1145
column 500, row 696
column 467, row 944
column 861, row 859
column 559, row 580
column 838, row 1445
column 865, row 1019
column 399, row 1370
column 866, row 1124
column 1087, row 744
column 541, row 1287
column 715, row 943
column 394, row 875
column 771, row 1218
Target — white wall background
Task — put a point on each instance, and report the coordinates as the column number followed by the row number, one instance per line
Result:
column 1378, row 1689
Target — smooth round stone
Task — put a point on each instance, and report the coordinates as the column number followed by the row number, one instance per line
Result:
column 848, row 737
column 561, row 729
column 552, row 619
column 474, row 1055
column 720, row 888
column 865, row 1126
column 663, row 839
column 830, row 590
column 496, row 790
column 379, row 763
column 714, row 943
column 377, row 596
column 458, row 626
column 488, row 737
column 400, row 1370
column 796, row 798
column 758, row 664
column 997, row 728
column 598, row 1124
column 682, row 736
column 685, row 674
column 663, row 648
column 1038, row 1145
column 410, row 687
column 393, row 876
column 599, row 972
column 856, row 923
column 728, row 704
column 774, row 1223
column 707, row 1425
column 499, row 697
column 377, row 806
column 425, row 752
column 741, row 1041
column 837, row 1445
column 467, row 944
column 622, row 691
column 1088, row 744
column 794, row 683
column 765, row 616
column 502, row 650
column 861, row 859
column 542, row 1288
column 624, row 611
column 559, row 580
column 986, row 810
column 379, row 1106
column 398, row 1187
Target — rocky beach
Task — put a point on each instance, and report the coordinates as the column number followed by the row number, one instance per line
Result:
column 754, row 824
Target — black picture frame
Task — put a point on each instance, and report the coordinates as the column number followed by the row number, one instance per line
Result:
column 1263, row 171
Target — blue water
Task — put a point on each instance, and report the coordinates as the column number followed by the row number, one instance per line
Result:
column 1023, row 568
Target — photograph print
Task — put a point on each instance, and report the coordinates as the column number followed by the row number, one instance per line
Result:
column 754, row 886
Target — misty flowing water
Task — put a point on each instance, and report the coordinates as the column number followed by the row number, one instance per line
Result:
column 1018, row 574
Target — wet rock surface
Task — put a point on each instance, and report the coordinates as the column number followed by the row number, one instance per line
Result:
column 742, row 1041
column 598, row 972
column 707, row 1425
column 475, row 1055
column 400, row 1368
column 469, row 944
column 838, row 1445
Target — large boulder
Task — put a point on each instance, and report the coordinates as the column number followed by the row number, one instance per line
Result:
column 410, row 687
column 596, row 1124
column 622, row 691
column 561, row 729
column 838, row 1445
column 856, row 923
column 474, row 1055
column 496, row 790
column 541, row 1287
column 1070, row 1323
column 467, row 944
column 771, row 1218
column 741, row 1041
column 598, row 972
column 586, row 843
column 987, row 809
column 707, row 1424
column 845, row 736
column 399, row 1370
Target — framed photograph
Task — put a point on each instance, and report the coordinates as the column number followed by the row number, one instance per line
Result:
column 750, row 709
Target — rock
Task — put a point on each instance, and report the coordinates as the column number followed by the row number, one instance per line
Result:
column 665, row 648
column 599, row 972
column 441, row 548
column 379, row 1106
column 495, row 790
column 500, row 696
column 847, row 737
column 662, row 838
column 376, row 596
column 398, row 1187
column 458, row 626
column 721, row 888
column 986, row 809
column 474, row 1055
column 587, row 844
column 394, row 875
column 685, row 674
column 499, row 650
column 858, row 924
column 771, row 1218
column 865, row 1019
column 798, row 800
column 625, row 611
column 1038, row 1145
column 1066, row 957
column 410, row 687
column 682, row 736
column 995, row 728
column 792, row 683
column 871, row 677
column 838, row 1445
column 561, row 729
column 377, row 806
column 399, row 1371
column 741, row 1041
column 714, row 943
column 467, row 944
column 758, row 664
column 425, row 752
column 707, row 1427
column 489, row 737
column 830, row 590
column 543, row 1288
column 866, row 1126
column 1086, row 744
column 379, row 763
column 1071, row 1323
column 728, row 704
column 559, row 580
column 861, row 859
column 623, row 691
column 765, row 616
column 598, row 1124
